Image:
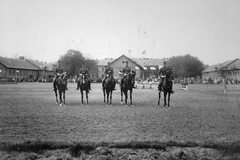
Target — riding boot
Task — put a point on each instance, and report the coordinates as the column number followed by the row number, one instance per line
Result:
column 54, row 85
column 66, row 87
column 121, row 83
column 103, row 84
column 89, row 86
column 133, row 85
column 77, row 85
column 160, row 87
column 114, row 85
column 172, row 89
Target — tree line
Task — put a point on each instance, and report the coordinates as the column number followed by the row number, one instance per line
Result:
column 182, row 66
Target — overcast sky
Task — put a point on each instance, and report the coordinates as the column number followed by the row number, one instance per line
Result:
column 46, row 29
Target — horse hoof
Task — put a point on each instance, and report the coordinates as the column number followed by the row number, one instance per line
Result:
column 60, row 105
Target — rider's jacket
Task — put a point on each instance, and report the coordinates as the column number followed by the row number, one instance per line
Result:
column 107, row 71
column 126, row 70
column 163, row 71
column 58, row 70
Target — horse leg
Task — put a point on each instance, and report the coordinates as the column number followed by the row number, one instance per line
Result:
column 60, row 97
column 56, row 95
column 169, row 93
column 64, row 103
column 104, row 101
column 159, row 96
column 126, row 97
column 165, row 95
column 111, row 98
column 81, row 96
column 108, row 97
column 87, row 96
column 121, row 96
column 131, row 97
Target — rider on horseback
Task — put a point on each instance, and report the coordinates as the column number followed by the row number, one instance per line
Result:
column 58, row 71
column 162, row 73
column 126, row 71
column 109, row 73
column 84, row 71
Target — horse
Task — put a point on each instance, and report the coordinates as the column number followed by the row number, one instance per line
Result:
column 126, row 86
column 108, row 87
column 84, row 86
column 61, row 83
column 167, row 82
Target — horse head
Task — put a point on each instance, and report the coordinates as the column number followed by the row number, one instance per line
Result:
column 82, row 78
column 63, row 77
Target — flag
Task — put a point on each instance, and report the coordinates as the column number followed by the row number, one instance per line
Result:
column 0, row 70
column 136, row 67
column 160, row 66
column 152, row 68
column 17, row 71
column 145, row 68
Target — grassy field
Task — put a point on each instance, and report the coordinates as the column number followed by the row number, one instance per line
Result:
column 203, row 113
column 201, row 123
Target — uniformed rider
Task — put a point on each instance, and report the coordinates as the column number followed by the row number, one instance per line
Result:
column 84, row 71
column 58, row 71
column 125, row 71
column 109, row 72
column 162, row 73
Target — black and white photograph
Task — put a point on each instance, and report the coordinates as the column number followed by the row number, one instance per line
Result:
column 120, row 80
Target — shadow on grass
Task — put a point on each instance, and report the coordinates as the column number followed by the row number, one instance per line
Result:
column 76, row 147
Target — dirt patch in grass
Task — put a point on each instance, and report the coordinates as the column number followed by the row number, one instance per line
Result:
column 123, row 150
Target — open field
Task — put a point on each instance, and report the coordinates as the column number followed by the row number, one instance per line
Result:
column 204, row 113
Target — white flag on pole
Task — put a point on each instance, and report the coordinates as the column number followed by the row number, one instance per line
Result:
column 136, row 67
column 160, row 66
column 145, row 68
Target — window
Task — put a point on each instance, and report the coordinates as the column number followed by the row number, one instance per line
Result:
column 103, row 69
column 102, row 76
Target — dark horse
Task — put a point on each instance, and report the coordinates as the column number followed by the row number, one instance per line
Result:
column 84, row 86
column 128, row 84
column 166, row 86
column 61, row 84
column 108, row 87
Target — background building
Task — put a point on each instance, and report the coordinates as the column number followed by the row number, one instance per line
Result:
column 23, row 69
column 230, row 69
column 145, row 68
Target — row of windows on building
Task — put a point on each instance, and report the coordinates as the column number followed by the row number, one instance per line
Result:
column 14, row 72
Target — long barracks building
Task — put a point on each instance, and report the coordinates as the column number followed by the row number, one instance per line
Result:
column 24, row 69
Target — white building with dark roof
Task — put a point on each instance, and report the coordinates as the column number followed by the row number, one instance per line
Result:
column 145, row 68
